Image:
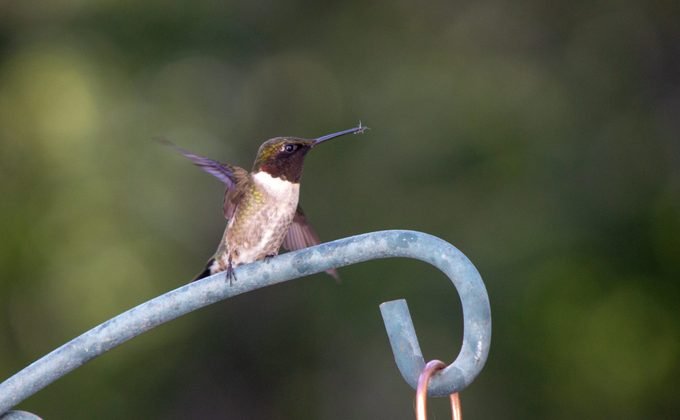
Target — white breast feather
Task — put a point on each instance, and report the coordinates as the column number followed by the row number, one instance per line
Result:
column 278, row 188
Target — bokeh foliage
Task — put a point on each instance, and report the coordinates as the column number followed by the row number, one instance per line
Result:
column 542, row 139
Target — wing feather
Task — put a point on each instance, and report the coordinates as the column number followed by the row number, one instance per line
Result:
column 233, row 195
column 301, row 235
column 232, row 176
column 221, row 171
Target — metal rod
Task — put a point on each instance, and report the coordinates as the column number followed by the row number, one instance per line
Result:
column 342, row 252
column 19, row 415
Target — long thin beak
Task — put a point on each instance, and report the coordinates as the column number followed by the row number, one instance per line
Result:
column 356, row 130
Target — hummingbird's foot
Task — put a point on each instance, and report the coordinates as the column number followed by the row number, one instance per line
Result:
column 231, row 274
column 268, row 257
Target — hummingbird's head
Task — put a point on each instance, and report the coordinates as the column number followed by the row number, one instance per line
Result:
column 283, row 157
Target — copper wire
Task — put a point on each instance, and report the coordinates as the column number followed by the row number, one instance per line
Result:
column 421, row 393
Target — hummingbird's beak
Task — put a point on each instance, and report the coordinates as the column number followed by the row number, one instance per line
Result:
column 356, row 130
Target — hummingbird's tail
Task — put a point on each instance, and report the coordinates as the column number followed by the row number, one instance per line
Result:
column 206, row 271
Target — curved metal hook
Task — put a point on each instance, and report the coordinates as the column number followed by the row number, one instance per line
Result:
column 409, row 357
column 476, row 327
column 342, row 252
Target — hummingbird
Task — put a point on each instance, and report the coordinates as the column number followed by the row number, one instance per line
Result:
column 261, row 206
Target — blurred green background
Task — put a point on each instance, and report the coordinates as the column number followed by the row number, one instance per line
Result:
column 539, row 138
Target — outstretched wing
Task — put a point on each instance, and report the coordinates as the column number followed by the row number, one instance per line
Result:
column 231, row 176
column 301, row 235
column 221, row 171
column 233, row 195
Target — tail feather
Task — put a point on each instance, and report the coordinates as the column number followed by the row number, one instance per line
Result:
column 334, row 273
column 206, row 271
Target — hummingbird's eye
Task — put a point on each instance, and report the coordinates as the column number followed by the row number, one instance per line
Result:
column 290, row 148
